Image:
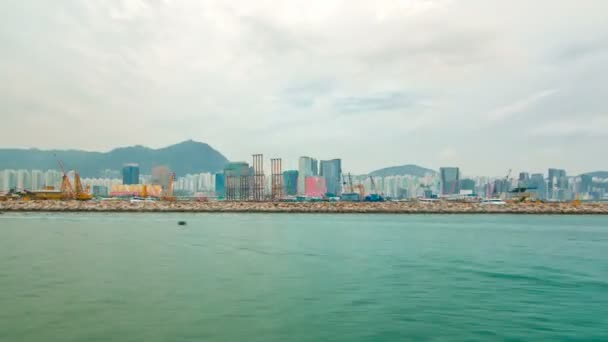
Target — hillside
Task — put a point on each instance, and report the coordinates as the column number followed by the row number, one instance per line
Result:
column 413, row 170
column 183, row 158
column 598, row 174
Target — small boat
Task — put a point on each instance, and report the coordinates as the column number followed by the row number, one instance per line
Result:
column 181, row 223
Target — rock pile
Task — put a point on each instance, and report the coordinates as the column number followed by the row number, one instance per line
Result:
column 440, row 207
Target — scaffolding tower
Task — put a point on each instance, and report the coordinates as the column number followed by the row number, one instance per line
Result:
column 277, row 178
column 258, row 177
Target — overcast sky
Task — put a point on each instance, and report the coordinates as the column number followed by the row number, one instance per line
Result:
column 484, row 85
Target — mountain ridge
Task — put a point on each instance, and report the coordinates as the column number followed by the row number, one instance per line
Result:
column 178, row 157
column 402, row 170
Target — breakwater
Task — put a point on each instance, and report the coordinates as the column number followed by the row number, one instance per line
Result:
column 413, row 207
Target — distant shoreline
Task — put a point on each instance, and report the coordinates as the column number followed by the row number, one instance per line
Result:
column 443, row 207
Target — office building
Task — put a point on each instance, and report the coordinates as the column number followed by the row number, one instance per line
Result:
column 538, row 185
column 237, row 177
column 450, row 179
column 586, row 184
column 557, row 183
column 315, row 187
column 307, row 167
column 467, row 184
column 290, row 181
column 524, row 180
column 331, row 170
column 130, row 174
column 220, row 186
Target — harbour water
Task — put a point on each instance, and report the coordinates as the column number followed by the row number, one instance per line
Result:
column 302, row 277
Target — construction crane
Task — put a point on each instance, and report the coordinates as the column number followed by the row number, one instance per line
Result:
column 373, row 196
column 67, row 191
column 351, row 189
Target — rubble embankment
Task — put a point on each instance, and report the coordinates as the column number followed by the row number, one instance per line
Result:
column 413, row 207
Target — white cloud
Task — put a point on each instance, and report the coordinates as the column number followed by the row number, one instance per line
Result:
column 520, row 106
column 576, row 126
column 334, row 77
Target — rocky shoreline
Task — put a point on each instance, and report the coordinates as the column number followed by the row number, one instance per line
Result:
column 414, row 207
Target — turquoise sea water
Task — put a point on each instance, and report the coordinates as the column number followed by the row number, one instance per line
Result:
column 256, row 277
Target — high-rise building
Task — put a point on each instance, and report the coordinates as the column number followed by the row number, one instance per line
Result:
column 557, row 182
column 290, row 181
column 315, row 186
column 24, row 180
column 220, row 186
column 450, row 179
column 237, row 177
column 586, row 183
column 130, row 174
column 52, row 178
column 331, row 170
column 37, row 180
column 9, row 180
column 523, row 180
column 537, row 181
column 306, row 167
column 467, row 184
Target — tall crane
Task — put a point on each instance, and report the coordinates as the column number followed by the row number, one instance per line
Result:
column 351, row 189
column 374, row 196
column 68, row 191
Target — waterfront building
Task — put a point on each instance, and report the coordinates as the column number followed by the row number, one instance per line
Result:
column 557, row 182
column 37, row 180
column 9, row 180
column 290, row 181
column 450, row 179
column 24, row 180
column 315, row 187
column 331, row 170
column 467, row 184
column 52, row 178
column 237, row 177
column 130, row 174
column 100, row 191
column 524, row 180
column 537, row 180
column 306, row 167
column 220, row 186
column 586, row 184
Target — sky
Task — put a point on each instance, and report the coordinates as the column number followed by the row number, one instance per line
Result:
column 480, row 84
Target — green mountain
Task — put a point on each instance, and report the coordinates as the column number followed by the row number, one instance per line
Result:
column 598, row 174
column 412, row 170
column 183, row 158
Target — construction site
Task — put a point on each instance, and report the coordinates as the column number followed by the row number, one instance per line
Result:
column 72, row 189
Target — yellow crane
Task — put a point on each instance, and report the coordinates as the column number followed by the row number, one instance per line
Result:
column 73, row 193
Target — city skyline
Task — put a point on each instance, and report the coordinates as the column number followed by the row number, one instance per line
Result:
column 293, row 164
column 487, row 86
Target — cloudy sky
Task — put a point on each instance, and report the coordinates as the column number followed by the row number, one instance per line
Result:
column 481, row 84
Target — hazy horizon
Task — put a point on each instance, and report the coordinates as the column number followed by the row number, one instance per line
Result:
column 483, row 85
